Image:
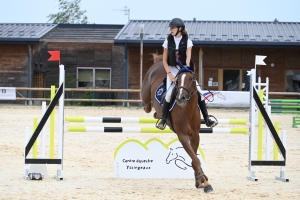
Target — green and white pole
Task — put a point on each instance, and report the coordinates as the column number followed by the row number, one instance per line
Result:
column 137, row 120
column 151, row 130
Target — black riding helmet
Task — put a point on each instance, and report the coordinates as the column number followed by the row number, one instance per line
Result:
column 178, row 23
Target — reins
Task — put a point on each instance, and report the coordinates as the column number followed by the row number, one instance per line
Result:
column 190, row 93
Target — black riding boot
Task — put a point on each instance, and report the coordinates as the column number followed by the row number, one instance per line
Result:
column 162, row 124
column 208, row 122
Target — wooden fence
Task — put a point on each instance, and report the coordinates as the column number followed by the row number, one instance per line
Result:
column 108, row 90
column 81, row 90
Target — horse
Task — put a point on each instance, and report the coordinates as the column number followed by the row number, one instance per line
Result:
column 185, row 117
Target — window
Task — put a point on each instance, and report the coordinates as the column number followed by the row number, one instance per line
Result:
column 228, row 79
column 102, row 78
column 231, row 80
column 292, row 80
column 95, row 77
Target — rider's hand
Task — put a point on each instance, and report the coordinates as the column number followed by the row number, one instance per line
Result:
column 187, row 63
column 173, row 79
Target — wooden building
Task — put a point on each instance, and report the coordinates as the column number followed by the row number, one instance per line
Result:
column 224, row 50
column 18, row 43
column 88, row 52
column 108, row 56
column 90, row 57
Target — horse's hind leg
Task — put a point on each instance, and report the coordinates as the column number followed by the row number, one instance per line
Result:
column 200, row 178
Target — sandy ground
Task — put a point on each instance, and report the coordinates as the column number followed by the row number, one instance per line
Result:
column 88, row 162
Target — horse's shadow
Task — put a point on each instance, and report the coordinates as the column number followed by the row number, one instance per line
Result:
column 179, row 161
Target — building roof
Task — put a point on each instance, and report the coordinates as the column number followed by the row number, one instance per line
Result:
column 95, row 33
column 24, row 32
column 215, row 32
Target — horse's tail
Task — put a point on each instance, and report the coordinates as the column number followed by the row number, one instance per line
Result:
column 146, row 92
column 152, row 80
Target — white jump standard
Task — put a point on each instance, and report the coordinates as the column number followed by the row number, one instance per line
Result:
column 59, row 97
column 255, row 101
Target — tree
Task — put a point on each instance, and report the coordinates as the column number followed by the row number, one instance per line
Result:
column 69, row 13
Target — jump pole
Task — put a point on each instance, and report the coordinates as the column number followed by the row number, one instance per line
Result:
column 151, row 130
column 138, row 120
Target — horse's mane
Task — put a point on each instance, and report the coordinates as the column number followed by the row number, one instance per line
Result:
column 157, row 57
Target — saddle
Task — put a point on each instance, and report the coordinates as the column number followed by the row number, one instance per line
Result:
column 160, row 94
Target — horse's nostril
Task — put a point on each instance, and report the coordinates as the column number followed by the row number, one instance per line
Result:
column 182, row 98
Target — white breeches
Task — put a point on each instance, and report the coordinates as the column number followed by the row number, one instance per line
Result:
column 170, row 87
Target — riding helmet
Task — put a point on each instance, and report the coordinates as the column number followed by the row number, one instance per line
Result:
column 176, row 22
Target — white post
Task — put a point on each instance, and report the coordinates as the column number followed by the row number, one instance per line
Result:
column 282, row 171
column 267, row 94
column 43, row 143
column 141, row 58
column 61, row 122
column 252, row 127
column 268, row 136
column 200, row 66
column 26, row 166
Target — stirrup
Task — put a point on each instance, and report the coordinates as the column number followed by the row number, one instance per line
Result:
column 215, row 121
column 159, row 125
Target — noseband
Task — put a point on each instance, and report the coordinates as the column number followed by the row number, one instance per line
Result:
column 190, row 93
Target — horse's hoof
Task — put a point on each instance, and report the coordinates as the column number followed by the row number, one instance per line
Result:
column 155, row 115
column 208, row 189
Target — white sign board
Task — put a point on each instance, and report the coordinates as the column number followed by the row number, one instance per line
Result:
column 227, row 99
column 153, row 159
column 7, row 93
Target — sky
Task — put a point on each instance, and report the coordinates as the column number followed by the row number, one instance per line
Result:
column 110, row 11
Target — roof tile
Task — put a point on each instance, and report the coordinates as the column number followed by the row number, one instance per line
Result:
column 218, row 32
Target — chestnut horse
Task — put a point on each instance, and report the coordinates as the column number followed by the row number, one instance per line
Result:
column 185, row 116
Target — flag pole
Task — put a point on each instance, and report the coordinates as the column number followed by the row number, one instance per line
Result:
column 255, row 64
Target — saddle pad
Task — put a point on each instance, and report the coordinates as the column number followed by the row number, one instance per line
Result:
column 160, row 96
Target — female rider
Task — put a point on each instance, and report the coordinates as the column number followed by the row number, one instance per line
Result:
column 179, row 46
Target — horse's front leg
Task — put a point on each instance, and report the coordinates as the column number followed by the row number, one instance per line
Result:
column 187, row 145
column 185, row 141
column 200, row 178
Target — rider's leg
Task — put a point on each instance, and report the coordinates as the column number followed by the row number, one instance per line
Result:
column 201, row 101
column 162, row 124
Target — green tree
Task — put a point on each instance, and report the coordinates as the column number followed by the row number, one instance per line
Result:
column 69, row 13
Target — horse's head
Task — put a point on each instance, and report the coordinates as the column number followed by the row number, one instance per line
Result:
column 186, row 87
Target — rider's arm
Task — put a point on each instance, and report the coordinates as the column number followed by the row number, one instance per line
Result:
column 188, row 56
column 165, row 60
column 166, row 66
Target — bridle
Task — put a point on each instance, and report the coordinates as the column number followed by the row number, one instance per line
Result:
column 190, row 93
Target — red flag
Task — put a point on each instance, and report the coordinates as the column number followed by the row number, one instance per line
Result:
column 55, row 55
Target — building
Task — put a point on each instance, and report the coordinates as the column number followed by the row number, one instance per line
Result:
column 18, row 43
column 224, row 50
column 87, row 50
column 108, row 56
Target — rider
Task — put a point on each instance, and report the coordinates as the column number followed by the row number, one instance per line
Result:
column 178, row 45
